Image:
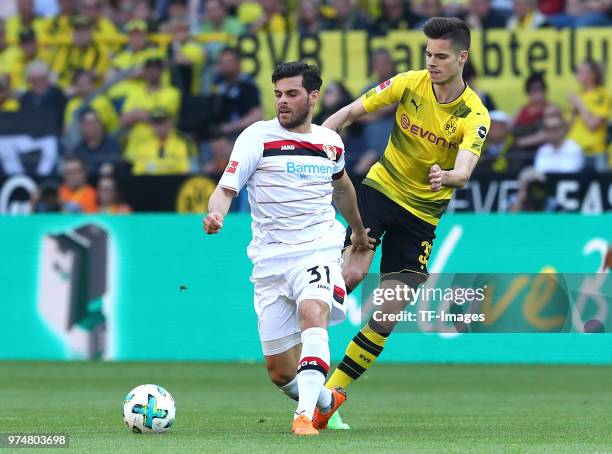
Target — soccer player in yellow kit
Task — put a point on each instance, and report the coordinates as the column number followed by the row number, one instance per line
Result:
column 440, row 127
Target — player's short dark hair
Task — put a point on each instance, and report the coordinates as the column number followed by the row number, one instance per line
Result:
column 451, row 28
column 311, row 75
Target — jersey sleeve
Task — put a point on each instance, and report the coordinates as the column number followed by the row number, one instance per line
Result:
column 338, row 168
column 388, row 92
column 475, row 130
column 243, row 161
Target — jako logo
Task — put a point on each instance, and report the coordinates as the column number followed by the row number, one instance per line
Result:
column 287, row 147
column 312, row 169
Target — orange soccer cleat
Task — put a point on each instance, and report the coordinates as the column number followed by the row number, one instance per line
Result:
column 303, row 426
column 320, row 419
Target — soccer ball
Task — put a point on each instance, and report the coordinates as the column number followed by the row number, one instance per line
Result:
column 148, row 409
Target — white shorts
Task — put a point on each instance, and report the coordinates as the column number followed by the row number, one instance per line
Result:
column 281, row 284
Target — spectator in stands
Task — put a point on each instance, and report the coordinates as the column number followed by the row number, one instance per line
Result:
column 528, row 127
column 247, row 11
column 76, row 195
column 8, row 103
column 533, row 195
column 480, row 16
column 346, row 17
column 27, row 52
column 177, row 10
column 335, row 97
column 240, row 100
column 378, row 125
column 551, row 7
column 558, row 154
column 273, row 19
column 498, row 143
column 396, row 15
column 589, row 115
column 130, row 60
column 60, row 25
column 46, row 199
column 83, row 53
column 42, row 95
column 102, row 25
column 109, row 198
column 469, row 76
column 143, row 12
column 25, row 19
column 310, row 20
column 217, row 19
column 221, row 149
column 428, row 9
column 142, row 101
column 594, row 13
column 186, row 58
column 166, row 152
column 83, row 86
column 100, row 152
column 7, row 53
column 526, row 16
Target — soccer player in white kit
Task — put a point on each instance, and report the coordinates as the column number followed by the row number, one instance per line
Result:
column 293, row 170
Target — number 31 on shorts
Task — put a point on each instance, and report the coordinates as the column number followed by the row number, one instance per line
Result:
column 316, row 274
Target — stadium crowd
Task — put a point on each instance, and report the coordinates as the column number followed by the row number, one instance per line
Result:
column 125, row 102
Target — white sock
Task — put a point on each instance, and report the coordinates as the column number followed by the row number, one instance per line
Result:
column 291, row 389
column 312, row 369
column 325, row 399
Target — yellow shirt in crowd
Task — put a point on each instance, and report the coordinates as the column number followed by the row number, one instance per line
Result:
column 592, row 143
column 103, row 107
column 166, row 98
column 151, row 156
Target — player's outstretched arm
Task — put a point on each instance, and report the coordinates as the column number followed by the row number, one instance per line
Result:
column 345, row 116
column 458, row 176
column 346, row 201
column 218, row 206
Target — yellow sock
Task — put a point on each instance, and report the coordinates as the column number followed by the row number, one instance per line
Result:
column 360, row 354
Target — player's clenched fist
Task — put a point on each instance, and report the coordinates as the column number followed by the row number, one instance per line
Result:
column 435, row 177
column 213, row 222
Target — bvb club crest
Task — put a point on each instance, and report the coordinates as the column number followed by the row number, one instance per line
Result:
column 330, row 151
column 450, row 127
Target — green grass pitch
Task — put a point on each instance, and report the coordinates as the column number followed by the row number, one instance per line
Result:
column 394, row 408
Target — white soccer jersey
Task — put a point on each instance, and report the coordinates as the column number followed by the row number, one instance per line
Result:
column 289, row 178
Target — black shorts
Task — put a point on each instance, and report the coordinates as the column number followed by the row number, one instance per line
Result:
column 406, row 239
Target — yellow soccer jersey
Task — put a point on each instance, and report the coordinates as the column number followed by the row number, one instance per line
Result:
column 425, row 133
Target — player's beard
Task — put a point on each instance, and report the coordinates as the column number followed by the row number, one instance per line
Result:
column 298, row 119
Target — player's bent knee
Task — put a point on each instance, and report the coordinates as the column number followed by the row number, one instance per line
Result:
column 313, row 313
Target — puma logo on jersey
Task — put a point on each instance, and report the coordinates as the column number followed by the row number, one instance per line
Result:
column 287, row 147
column 416, row 106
